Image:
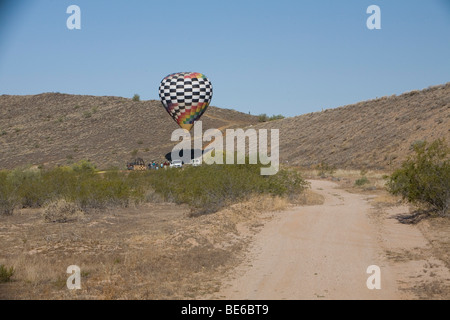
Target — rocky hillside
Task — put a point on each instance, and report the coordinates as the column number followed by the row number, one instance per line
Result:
column 375, row 134
column 52, row 128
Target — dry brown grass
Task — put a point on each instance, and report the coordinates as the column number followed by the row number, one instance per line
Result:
column 437, row 232
column 422, row 263
column 61, row 211
column 154, row 251
column 347, row 180
column 310, row 198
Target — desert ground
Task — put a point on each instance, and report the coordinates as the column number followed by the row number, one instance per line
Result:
column 261, row 249
column 323, row 252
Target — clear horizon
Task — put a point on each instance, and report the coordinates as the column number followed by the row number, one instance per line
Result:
column 284, row 57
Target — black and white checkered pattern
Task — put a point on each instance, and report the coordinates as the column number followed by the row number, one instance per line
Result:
column 185, row 92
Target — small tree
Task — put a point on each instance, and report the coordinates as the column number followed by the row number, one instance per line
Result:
column 425, row 177
column 136, row 97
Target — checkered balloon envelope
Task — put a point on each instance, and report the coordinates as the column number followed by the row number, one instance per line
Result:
column 185, row 96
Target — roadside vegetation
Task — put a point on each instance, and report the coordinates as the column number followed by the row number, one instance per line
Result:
column 6, row 273
column 66, row 191
column 324, row 169
column 265, row 118
column 424, row 179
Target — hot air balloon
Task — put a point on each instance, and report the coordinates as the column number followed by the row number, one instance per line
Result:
column 185, row 96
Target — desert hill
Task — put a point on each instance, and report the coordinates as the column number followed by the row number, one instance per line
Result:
column 53, row 128
column 375, row 134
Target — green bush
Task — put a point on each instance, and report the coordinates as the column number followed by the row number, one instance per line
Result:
column 264, row 118
column 136, row 98
column 209, row 188
column 87, row 114
column 324, row 169
column 276, row 117
column 79, row 183
column 425, row 177
column 361, row 181
column 205, row 189
column 6, row 273
column 8, row 194
column 30, row 191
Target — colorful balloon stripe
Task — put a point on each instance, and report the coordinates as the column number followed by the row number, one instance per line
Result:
column 189, row 116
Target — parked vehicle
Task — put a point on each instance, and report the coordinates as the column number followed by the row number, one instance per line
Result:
column 196, row 162
column 176, row 164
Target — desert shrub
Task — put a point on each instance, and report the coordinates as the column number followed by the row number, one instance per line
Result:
column 6, row 273
column 86, row 187
column 61, row 211
column 209, row 188
column 276, row 117
column 79, row 183
column 136, row 98
column 264, row 117
column 30, row 189
column 205, row 189
column 110, row 190
column 361, row 181
column 87, row 114
column 417, row 144
column 8, row 194
column 84, row 166
column 286, row 183
column 425, row 177
column 324, row 169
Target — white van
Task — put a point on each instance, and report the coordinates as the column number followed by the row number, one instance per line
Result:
column 176, row 164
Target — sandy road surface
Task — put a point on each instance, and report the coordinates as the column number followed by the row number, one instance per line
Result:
column 317, row 252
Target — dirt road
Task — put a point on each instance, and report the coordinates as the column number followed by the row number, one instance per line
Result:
column 321, row 252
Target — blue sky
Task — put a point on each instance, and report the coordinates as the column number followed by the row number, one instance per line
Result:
column 285, row 57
